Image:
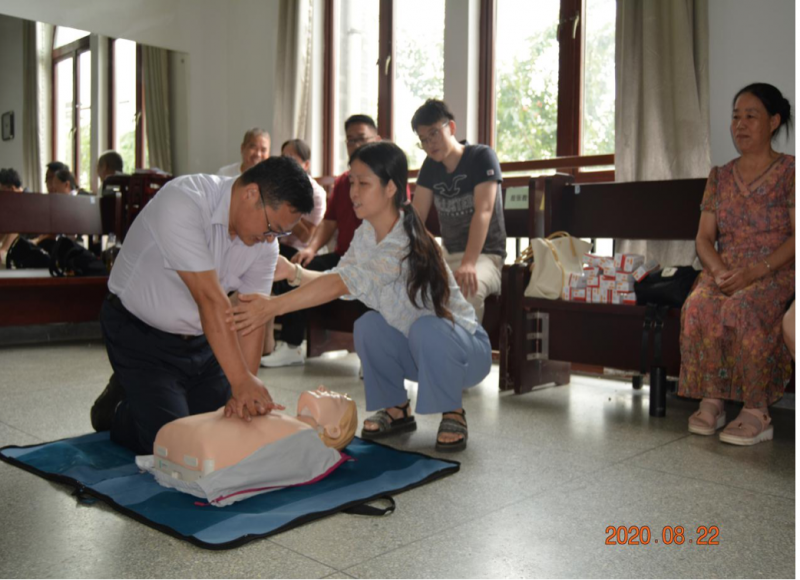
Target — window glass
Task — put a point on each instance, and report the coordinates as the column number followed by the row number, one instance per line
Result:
column 63, row 117
column 598, row 82
column 84, row 170
column 419, row 69
column 125, row 102
column 64, row 36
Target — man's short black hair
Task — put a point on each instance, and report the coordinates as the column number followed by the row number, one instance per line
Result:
column 112, row 161
column 432, row 112
column 56, row 166
column 360, row 119
column 66, row 176
column 10, row 178
column 281, row 180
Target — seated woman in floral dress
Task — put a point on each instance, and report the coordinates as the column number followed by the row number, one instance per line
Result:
column 732, row 346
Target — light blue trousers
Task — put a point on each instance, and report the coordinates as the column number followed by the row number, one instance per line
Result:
column 442, row 357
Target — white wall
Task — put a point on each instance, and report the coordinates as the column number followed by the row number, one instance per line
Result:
column 229, row 68
column 749, row 41
column 11, row 152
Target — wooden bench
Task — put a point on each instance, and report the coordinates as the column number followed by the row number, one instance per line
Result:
column 330, row 326
column 33, row 297
column 540, row 338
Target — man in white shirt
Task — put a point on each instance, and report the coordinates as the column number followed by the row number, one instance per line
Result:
column 197, row 242
column 255, row 149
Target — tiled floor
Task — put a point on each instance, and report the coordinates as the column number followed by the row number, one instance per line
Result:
column 544, row 475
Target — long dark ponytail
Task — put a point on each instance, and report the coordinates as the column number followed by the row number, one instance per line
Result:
column 427, row 271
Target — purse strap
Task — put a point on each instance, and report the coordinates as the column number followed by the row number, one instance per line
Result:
column 556, row 235
column 527, row 253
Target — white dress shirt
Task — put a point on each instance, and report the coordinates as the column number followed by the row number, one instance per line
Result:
column 185, row 228
column 232, row 170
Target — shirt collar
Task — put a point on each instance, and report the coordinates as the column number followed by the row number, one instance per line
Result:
column 221, row 215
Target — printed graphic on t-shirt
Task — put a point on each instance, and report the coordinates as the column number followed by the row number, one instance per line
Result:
column 450, row 189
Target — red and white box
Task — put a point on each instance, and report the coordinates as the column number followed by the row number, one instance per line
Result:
column 593, row 261
column 608, row 263
column 642, row 271
column 600, row 296
column 609, row 271
column 574, row 294
column 626, row 298
column 576, row 281
column 624, row 277
column 624, row 286
column 607, row 283
column 593, row 281
column 591, row 271
column 628, row 262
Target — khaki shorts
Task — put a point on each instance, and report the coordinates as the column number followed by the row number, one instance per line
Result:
column 489, row 268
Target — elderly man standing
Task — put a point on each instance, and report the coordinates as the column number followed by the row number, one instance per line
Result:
column 255, row 149
column 200, row 240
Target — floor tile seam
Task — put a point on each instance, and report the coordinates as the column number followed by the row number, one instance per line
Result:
column 306, row 556
column 461, row 523
column 736, row 487
column 21, row 431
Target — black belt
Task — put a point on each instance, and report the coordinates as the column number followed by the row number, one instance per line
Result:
column 115, row 301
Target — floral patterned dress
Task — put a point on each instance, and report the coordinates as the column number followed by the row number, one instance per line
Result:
column 732, row 346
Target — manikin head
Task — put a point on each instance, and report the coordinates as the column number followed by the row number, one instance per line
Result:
column 334, row 416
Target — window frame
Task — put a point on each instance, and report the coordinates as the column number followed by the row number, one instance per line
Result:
column 71, row 50
column 570, row 90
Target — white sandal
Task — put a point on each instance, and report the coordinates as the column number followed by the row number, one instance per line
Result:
column 707, row 419
column 750, row 427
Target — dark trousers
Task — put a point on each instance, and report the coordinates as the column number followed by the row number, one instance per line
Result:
column 293, row 329
column 164, row 376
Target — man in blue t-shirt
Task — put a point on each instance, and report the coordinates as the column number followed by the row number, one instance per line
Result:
column 463, row 181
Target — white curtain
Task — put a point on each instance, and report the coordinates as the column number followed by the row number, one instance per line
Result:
column 39, row 129
column 662, row 103
column 31, row 154
column 293, row 72
column 155, row 68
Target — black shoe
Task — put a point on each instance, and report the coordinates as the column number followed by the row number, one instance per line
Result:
column 106, row 404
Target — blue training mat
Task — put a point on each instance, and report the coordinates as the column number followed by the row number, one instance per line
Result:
column 100, row 469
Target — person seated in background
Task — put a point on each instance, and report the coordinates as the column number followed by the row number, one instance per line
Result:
column 110, row 163
column 9, row 181
column 64, row 182
column 731, row 344
column 52, row 168
column 298, row 150
column 463, row 180
column 339, row 215
column 254, row 150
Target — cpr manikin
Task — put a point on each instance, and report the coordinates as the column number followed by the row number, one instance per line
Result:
column 224, row 460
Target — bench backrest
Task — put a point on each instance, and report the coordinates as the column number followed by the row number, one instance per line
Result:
column 640, row 210
column 40, row 213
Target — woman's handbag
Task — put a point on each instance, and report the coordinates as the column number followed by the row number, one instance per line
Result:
column 667, row 287
column 554, row 259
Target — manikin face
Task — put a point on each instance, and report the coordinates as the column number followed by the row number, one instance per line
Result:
column 751, row 125
column 370, row 198
column 255, row 151
column 325, row 407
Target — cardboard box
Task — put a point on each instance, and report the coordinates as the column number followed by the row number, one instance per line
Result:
column 576, row 281
column 607, row 283
column 593, row 281
column 628, row 262
column 574, row 294
column 624, row 277
column 591, row 271
column 642, row 271
column 624, row 286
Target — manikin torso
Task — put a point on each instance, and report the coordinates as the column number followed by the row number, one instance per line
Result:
column 195, row 446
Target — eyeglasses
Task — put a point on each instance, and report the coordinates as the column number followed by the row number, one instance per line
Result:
column 270, row 232
column 435, row 134
column 358, row 141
